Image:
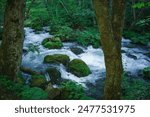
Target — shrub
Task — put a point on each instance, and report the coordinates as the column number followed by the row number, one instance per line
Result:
column 73, row 91
column 137, row 37
column 34, row 94
column 88, row 37
column 135, row 89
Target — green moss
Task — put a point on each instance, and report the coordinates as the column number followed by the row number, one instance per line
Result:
column 52, row 43
column 38, row 81
column 146, row 73
column 57, row 59
column 55, row 75
column 34, row 94
column 79, row 68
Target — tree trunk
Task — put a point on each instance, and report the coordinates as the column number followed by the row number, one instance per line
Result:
column 11, row 48
column 111, row 27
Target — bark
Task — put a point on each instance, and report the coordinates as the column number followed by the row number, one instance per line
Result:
column 111, row 27
column 11, row 48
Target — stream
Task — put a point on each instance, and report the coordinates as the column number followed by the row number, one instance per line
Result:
column 134, row 58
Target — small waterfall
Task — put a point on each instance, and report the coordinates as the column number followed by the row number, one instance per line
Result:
column 47, row 76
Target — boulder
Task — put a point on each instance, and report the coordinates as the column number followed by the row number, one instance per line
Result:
column 76, row 50
column 29, row 71
column 52, row 43
column 79, row 68
column 55, row 75
column 57, row 59
column 38, row 81
column 53, row 93
column 146, row 73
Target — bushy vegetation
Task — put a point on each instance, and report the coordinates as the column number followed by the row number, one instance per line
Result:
column 12, row 90
column 73, row 91
column 135, row 89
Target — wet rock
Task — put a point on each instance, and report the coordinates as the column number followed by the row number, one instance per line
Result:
column 29, row 71
column 79, row 68
column 147, row 54
column 52, row 43
column 123, row 51
column 57, row 59
column 76, row 50
column 53, row 93
column 55, row 75
column 146, row 73
column 38, row 81
column 131, row 56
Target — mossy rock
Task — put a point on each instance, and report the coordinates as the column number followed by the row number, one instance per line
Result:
column 53, row 93
column 146, row 73
column 52, row 43
column 79, row 68
column 29, row 71
column 55, row 75
column 76, row 50
column 38, row 81
column 57, row 59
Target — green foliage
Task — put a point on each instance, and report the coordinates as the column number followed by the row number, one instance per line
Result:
column 79, row 68
column 65, row 33
column 141, row 5
column 88, row 37
column 37, row 16
column 135, row 89
column 73, row 91
column 146, row 73
column 11, row 90
column 137, row 37
column 34, row 94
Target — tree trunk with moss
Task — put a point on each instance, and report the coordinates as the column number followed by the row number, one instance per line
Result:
column 110, row 19
column 12, row 42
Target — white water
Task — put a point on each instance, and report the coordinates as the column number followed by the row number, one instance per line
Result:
column 133, row 58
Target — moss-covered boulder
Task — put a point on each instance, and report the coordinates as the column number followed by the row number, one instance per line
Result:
column 79, row 68
column 146, row 73
column 38, row 81
column 52, row 43
column 57, row 59
column 55, row 75
column 76, row 50
column 29, row 71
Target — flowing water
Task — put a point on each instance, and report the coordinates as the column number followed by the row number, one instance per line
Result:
column 134, row 58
